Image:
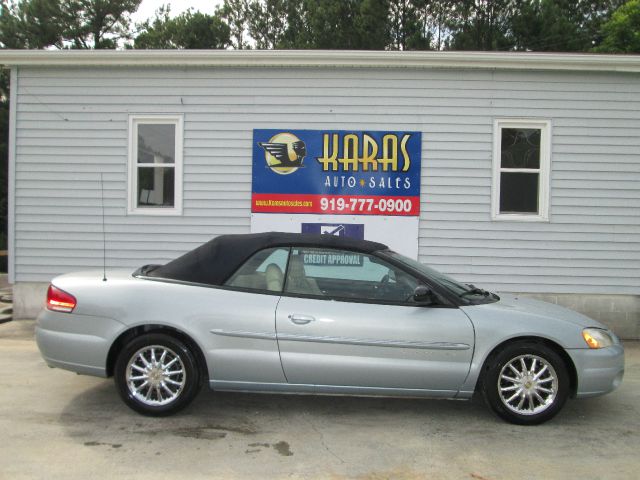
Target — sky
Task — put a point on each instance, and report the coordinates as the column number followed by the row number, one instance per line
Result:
column 148, row 7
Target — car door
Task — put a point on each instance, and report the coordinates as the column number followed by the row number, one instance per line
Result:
column 240, row 321
column 347, row 322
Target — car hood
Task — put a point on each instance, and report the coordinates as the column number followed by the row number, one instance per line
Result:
column 510, row 303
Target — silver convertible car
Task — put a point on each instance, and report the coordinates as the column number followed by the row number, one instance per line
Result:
column 319, row 314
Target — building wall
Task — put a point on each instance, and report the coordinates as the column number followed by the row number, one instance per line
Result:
column 73, row 124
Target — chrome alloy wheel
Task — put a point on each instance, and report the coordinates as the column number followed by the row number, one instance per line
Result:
column 528, row 384
column 155, row 375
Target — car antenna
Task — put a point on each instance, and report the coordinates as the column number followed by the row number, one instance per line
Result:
column 104, row 235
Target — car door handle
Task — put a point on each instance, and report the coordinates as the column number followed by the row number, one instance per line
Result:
column 301, row 319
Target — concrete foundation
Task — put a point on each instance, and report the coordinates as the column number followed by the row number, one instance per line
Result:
column 621, row 313
column 28, row 299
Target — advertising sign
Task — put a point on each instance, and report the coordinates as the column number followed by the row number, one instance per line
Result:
column 358, row 184
column 336, row 172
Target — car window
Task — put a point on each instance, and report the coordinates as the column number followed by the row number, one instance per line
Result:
column 263, row 271
column 343, row 274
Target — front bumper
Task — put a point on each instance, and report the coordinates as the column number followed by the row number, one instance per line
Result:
column 599, row 371
column 79, row 343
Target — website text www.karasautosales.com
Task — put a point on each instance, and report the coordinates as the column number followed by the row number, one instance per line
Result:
column 284, row 203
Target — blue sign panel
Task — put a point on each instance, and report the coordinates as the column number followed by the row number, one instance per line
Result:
column 336, row 172
column 351, row 230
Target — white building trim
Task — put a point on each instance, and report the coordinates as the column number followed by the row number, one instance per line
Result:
column 11, row 194
column 132, row 184
column 324, row 58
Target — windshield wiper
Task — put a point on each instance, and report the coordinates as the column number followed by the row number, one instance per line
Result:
column 474, row 291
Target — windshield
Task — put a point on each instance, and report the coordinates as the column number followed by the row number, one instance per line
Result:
column 462, row 290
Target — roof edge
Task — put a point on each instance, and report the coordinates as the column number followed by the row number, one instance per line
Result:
column 323, row 58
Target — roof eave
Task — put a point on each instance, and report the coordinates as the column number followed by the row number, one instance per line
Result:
column 322, row 58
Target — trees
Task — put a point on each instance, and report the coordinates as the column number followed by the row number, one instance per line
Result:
column 405, row 30
column 65, row 23
column 527, row 25
column 307, row 24
column 31, row 24
column 340, row 24
column 372, row 24
column 188, row 30
column 267, row 21
column 96, row 23
column 524, row 25
column 481, row 25
column 622, row 32
column 548, row 25
column 234, row 13
column 560, row 25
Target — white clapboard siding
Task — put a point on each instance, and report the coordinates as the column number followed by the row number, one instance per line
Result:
column 72, row 123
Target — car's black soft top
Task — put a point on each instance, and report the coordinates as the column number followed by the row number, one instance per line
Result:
column 215, row 261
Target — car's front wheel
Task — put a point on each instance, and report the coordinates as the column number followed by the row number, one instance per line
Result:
column 526, row 383
column 157, row 374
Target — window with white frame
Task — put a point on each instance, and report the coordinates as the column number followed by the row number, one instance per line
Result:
column 521, row 163
column 155, row 164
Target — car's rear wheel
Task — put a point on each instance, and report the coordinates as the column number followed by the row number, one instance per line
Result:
column 526, row 383
column 157, row 374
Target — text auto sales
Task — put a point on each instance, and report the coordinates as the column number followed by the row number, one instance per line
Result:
column 364, row 154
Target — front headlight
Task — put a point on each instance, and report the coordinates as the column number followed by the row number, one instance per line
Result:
column 597, row 338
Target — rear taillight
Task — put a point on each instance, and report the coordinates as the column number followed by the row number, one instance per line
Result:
column 59, row 300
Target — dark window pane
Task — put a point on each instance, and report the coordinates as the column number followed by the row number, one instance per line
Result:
column 156, row 143
column 156, row 187
column 518, row 192
column 520, row 148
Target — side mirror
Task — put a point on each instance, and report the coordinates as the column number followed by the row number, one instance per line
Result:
column 423, row 294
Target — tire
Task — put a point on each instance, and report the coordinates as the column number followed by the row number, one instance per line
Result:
column 147, row 387
column 526, row 383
